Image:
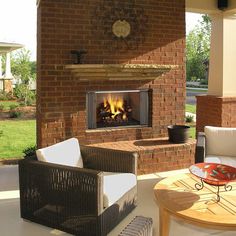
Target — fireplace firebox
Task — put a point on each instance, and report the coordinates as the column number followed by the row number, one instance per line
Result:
column 107, row 109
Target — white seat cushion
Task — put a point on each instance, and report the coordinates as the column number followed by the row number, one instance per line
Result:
column 220, row 141
column 115, row 185
column 63, row 153
column 230, row 161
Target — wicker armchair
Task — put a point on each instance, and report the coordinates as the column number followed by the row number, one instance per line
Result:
column 200, row 148
column 70, row 198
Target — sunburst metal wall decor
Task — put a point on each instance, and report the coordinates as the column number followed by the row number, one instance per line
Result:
column 119, row 24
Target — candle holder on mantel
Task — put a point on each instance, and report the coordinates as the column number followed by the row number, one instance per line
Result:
column 214, row 174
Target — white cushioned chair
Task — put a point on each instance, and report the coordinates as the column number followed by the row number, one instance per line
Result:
column 81, row 190
column 216, row 145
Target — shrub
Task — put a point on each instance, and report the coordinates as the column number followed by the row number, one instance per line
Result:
column 24, row 94
column 1, row 133
column 15, row 114
column 1, row 107
column 31, row 99
column 13, row 107
column 204, row 82
column 21, row 104
column 197, row 86
column 189, row 118
column 193, row 78
column 30, row 153
column 6, row 96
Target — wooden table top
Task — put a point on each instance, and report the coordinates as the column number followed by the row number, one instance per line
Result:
column 178, row 196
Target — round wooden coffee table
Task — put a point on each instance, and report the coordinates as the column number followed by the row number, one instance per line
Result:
column 176, row 196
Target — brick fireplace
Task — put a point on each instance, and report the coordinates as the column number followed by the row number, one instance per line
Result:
column 117, row 108
column 117, row 35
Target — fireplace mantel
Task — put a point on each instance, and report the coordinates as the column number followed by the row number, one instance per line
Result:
column 119, row 71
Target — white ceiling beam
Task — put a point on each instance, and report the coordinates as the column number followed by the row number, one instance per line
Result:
column 209, row 7
column 202, row 6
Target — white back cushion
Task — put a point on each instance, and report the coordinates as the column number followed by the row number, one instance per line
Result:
column 63, row 153
column 220, row 141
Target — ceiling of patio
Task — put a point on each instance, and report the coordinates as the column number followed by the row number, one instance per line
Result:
column 209, row 6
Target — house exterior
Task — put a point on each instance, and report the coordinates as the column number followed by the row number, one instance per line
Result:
column 6, row 78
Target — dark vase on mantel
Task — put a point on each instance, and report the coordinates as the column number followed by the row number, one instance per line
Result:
column 178, row 133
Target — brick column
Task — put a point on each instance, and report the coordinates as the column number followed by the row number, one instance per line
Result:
column 215, row 111
column 218, row 107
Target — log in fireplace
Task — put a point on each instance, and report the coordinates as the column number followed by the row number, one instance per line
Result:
column 107, row 109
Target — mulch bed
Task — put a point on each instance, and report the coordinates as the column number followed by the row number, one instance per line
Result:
column 28, row 112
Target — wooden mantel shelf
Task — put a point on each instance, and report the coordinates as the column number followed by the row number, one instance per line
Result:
column 119, row 71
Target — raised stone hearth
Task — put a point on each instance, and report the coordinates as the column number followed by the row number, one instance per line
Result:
column 157, row 155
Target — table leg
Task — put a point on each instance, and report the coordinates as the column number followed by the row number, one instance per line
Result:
column 164, row 222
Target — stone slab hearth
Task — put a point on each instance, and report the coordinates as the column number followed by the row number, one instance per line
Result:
column 157, row 154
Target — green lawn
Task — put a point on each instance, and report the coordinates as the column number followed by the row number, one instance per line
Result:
column 190, row 108
column 16, row 136
column 7, row 104
column 192, row 132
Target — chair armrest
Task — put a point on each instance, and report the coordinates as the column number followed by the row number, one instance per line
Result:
column 109, row 160
column 43, row 184
column 200, row 148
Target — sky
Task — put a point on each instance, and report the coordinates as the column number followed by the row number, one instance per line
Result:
column 191, row 20
column 18, row 23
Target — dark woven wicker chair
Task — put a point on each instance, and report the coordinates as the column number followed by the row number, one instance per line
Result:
column 70, row 198
column 200, row 148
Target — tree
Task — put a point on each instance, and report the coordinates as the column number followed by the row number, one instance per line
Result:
column 198, row 49
column 25, row 71
column 22, row 67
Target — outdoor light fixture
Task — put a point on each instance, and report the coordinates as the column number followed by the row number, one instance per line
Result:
column 222, row 4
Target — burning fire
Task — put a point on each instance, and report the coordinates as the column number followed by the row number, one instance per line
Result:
column 115, row 105
column 114, row 110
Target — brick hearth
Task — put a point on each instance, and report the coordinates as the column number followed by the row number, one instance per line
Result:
column 156, row 154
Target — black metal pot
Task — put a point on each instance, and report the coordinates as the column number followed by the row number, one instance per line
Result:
column 178, row 133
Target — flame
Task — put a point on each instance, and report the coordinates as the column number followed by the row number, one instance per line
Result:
column 116, row 105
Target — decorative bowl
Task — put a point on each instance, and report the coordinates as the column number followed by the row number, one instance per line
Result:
column 214, row 173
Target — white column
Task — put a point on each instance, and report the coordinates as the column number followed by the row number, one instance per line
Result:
column 0, row 66
column 222, row 80
column 8, row 74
